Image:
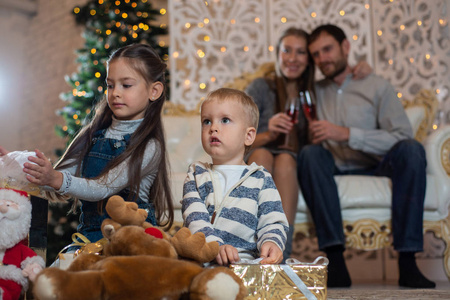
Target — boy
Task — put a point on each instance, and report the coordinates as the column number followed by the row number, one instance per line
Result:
column 232, row 203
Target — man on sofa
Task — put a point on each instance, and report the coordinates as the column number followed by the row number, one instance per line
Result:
column 361, row 129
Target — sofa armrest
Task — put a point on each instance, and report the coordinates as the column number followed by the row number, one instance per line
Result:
column 437, row 148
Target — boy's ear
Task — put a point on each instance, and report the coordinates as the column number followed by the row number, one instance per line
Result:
column 250, row 136
column 155, row 90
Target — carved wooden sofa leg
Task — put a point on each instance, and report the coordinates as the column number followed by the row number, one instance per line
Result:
column 441, row 230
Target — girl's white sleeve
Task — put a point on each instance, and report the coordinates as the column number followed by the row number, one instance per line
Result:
column 113, row 182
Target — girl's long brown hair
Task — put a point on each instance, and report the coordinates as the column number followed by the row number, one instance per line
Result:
column 144, row 60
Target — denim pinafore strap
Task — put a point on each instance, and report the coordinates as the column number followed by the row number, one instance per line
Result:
column 102, row 152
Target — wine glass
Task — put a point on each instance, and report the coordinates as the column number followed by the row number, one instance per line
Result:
column 292, row 109
column 308, row 105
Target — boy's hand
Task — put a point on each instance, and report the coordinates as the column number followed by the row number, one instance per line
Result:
column 41, row 172
column 227, row 255
column 271, row 253
column 3, row 151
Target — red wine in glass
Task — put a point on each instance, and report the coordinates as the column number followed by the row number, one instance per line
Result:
column 308, row 105
column 310, row 111
column 292, row 112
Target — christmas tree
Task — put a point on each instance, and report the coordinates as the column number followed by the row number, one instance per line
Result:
column 109, row 26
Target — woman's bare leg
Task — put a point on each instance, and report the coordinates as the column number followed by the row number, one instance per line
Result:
column 285, row 176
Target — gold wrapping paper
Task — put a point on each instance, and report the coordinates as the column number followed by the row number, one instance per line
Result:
column 85, row 246
column 271, row 282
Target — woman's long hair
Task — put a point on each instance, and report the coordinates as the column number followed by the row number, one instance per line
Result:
column 144, row 60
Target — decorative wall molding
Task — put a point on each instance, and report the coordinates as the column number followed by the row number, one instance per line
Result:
column 214, row 41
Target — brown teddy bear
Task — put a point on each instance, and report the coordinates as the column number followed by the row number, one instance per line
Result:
column 140, row 262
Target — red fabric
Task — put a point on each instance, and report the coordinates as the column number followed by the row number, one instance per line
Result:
column 17, row 254
column 22, row 193
column 154, row 232
column 11, row 289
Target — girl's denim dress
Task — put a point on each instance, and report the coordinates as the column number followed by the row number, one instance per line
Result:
column 92, row 215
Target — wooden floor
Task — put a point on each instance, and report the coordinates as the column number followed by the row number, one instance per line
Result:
column 389, row 290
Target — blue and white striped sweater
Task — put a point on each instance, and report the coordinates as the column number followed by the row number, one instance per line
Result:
column 249, row 214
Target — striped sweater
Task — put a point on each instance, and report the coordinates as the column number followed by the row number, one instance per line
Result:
column 248, row 215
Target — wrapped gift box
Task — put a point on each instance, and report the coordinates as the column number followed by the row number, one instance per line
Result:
column 293, row 280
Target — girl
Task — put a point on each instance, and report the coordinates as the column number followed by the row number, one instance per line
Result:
column 121, row 151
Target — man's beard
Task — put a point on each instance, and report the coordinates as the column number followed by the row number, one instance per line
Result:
column 339, row 67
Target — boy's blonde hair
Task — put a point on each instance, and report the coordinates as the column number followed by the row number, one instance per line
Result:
column 227, row 94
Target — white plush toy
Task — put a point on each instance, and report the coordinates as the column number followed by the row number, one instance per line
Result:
column 18, row 262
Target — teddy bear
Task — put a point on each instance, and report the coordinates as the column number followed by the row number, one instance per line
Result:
column 18, row 262
column 140, row 261
column 187, row 245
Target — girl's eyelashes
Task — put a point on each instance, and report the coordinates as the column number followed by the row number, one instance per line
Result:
column 226, row 120
column 206, row 122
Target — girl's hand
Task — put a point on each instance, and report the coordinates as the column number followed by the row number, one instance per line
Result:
column 271, row 253
column 3, row 151
column 41, row 171
column 322, row 130
column 361, row 70
column 227, row 255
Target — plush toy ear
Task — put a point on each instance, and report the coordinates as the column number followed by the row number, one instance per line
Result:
column 108, row 231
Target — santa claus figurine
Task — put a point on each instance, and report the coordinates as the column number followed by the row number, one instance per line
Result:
column 18, row 263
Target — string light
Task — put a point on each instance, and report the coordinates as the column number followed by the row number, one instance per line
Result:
column 257, row 20
column 97, row 74
column 202, row 86
column 270, row 48
column 223, row 49
column 206, row 38
column 233, row 21
column 379, row 33
column 399, row 95
column 175, row 54
column 162, row 11
column 402, row 27
column 313, row 14
column 342, row 13
column 187, row 25
column 93, row 12
column 206, row 20
column 355, row 37
column 283, row 20
column 76, row 10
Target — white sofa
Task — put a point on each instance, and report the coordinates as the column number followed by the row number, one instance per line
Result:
column 365, row 200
